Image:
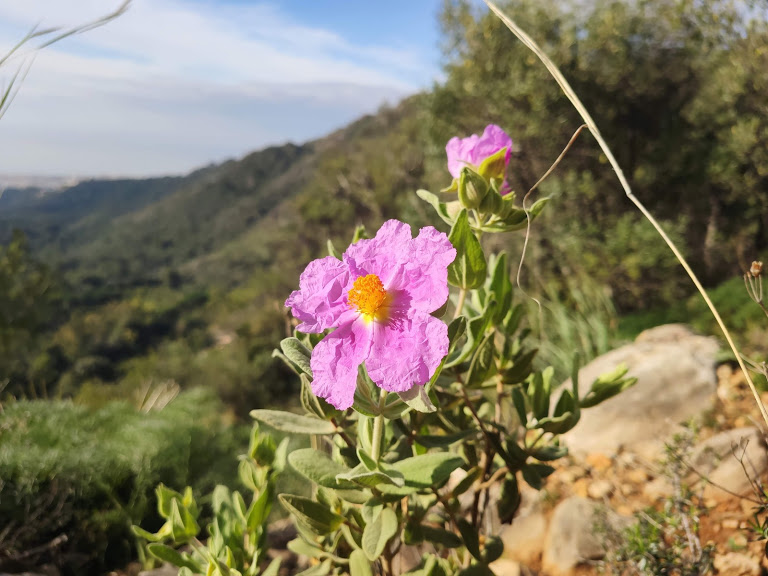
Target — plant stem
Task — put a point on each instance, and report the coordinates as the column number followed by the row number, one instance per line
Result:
column 460, row 303
column 378, row 429
column 571, row 95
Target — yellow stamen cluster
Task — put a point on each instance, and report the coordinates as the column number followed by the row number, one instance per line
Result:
column 367, row 294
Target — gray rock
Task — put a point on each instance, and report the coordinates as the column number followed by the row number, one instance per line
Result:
column 675, row 369
column 573, row 536
column 718, row 459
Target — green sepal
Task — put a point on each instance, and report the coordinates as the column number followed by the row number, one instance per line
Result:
column 494, row 166
column 472, row 189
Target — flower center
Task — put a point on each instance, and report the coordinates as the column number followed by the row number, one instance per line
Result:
column 367, row 294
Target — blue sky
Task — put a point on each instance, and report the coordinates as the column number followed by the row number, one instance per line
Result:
column 176, row 84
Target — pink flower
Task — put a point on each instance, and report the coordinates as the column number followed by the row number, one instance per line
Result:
column 473, row 150
column 379, row 299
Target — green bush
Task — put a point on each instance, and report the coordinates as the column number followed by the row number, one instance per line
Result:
column 88, row 475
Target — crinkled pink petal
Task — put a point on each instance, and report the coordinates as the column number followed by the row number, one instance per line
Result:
column 321, row 297
column 423, row 280
column 335, row 360
column 381, row 255
column 406, row 351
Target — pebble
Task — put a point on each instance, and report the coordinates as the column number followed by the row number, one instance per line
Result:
column 598, row 461
column 599, row 489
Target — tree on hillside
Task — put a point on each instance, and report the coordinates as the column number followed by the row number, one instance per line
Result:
column 26, row 292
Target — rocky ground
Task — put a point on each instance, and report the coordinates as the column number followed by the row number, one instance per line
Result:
column 617, row 470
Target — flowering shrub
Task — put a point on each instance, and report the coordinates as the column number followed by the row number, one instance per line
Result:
column 415, row 419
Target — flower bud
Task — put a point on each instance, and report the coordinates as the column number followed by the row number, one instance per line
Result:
column 756, row 269
column 472, row 189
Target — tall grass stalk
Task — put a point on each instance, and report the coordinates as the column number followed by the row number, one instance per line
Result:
column 574, row 99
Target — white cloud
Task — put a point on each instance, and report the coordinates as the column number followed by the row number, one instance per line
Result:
column 171, row 85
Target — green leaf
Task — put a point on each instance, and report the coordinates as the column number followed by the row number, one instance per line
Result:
column 521, row 368
column 441, row 208
column 171, row 556
column 260, row 508
column 477, row 570
column 377, row 533
column 442, row 441
column 310, row 514
column 149, row 536
column 492, row 549
column 297, row 353
column 510, row 498
column 439, row 536
column 542, row 390
column 359, row 565
column 467, row 482
column 394, row 408
column 518, row 399
column 309, row 401
column 293, row 423
column 468, row 270
column 164, row 498
column 273, row 569
column 418, row 399
column 501, row 287
column 483, row 364
column 475, row 329
column 366, row 394
column 332, row 250
column 534, row 474
column 319, row 570
column 317, row 467
column 425, row 471
column 470, row 537
column 549, row 453
column 360, row 474
column 607, row 386
column 371, row 510
column 557, row 424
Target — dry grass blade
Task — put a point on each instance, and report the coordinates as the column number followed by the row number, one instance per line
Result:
column 574, row 99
